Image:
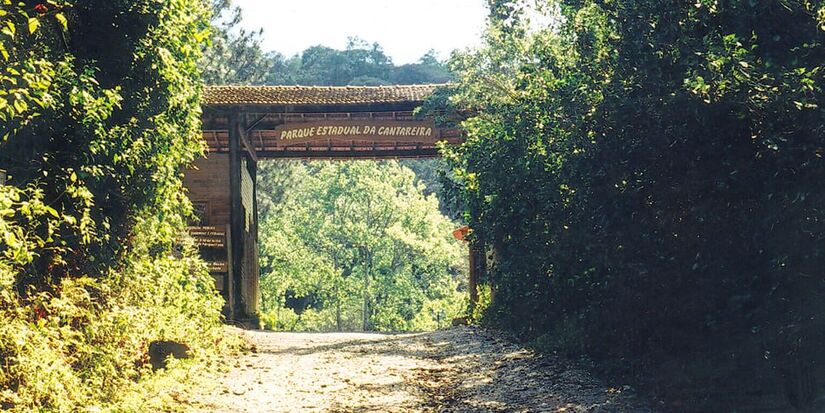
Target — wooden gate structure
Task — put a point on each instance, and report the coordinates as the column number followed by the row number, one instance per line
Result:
column 245, row 124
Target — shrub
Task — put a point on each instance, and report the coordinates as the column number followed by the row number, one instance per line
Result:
column 647, row 176
column 98, row 115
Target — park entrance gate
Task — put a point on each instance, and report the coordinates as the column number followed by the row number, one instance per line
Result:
column 245, row 124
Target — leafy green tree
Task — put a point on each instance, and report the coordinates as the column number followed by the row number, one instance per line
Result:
column 428, row 70
column 360, row 64
column 93, row 154
column 646, row 175
column 99, row 114
column 370, row 250
column 277, row 183
column 234, row 55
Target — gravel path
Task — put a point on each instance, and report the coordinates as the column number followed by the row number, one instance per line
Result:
column 456, row 370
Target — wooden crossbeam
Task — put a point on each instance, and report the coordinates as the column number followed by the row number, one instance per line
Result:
column 351, row 154
column 249, row 148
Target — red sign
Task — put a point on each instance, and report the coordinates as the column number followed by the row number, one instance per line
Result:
column 461, row 233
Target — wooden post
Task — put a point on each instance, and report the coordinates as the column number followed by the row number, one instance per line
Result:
column 236, row 218
column 255, row 270
column 478, row 263
column 228, row 283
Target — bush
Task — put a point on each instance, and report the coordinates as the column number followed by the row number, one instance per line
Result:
column 355, row 238
column 648, row 179
column 100, row 98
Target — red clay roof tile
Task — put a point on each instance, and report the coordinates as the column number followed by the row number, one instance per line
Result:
column 315, row 95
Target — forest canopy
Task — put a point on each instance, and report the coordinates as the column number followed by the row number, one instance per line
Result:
column 358, row 246
column 237, row 58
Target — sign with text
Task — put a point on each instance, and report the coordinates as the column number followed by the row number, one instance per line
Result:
column 217, row 266
column 209, row 237
column 376, row 130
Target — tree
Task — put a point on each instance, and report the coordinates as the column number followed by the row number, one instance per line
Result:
column 93, row 154
column 99, row 114
column 360, row 238
column 360, row 64
column 646, row 176
column 428, row 70
column 234, row 55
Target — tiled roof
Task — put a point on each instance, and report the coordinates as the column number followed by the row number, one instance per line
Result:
column 315, row 95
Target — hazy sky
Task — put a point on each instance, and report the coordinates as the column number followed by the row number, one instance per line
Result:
column 406, row 29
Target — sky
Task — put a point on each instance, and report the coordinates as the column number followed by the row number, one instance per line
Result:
column 406, row 29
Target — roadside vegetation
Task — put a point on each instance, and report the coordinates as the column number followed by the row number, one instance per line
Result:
column 99, row 113
column 648, row 178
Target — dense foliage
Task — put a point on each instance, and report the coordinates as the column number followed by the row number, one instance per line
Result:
column 99, row 112
column 236, row 57
column 358, row 246
column 648, row 176
column 360, row 63
column 233, row 55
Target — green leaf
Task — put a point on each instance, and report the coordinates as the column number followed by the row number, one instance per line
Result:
column 52, row 211
column 62, row 20
column 202, row 35
column 34, row 23
column 20, row 106
column 10, row 29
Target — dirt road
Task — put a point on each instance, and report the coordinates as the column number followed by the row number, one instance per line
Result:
column 457, row 370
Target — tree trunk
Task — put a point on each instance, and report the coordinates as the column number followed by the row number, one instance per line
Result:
column 366, row 310
column 338, row 308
